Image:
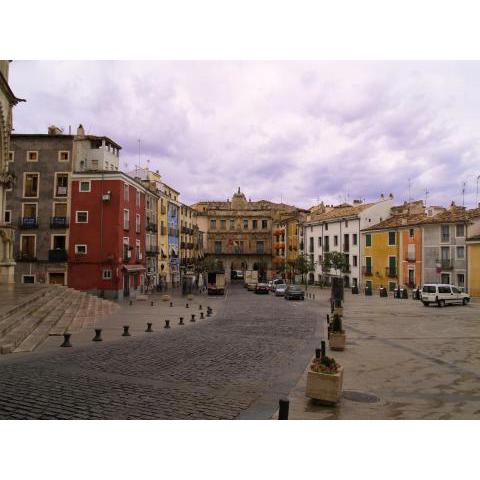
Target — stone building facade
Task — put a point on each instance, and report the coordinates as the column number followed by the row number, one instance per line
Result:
column 7, row 101
column 239, row 233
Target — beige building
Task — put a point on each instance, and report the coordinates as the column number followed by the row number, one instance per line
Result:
column 7, row 101
column 239, row 232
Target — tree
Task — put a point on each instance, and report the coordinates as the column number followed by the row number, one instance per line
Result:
column 335, row 260
column 304, row 265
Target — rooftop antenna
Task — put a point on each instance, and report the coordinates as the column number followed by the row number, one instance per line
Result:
column 409, row 190
column 464, row 184
column 426, row 196
column 139, row 163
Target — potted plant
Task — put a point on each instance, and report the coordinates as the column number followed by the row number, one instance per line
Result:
column 325, row 380
column 337, row 335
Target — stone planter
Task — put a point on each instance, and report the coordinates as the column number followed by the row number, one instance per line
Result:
column 337, row 341
column 325, row 387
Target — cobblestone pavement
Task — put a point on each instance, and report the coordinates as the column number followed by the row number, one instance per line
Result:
column 402, row 361
column 235, row 365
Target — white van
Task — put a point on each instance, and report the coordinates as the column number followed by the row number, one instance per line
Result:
column 441, row 294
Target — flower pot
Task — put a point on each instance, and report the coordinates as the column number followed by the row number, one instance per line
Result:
column 337, row 340
column 325, row 387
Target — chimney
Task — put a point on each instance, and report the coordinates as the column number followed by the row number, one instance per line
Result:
column 53, row 130
column 404, row 221
column 80, row 131
column 382, row 197
column 390, row 195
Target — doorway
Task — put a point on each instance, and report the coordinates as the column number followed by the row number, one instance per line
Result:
column 56, row 278
column 126, row 285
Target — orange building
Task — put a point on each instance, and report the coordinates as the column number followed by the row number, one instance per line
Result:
column 411, row 255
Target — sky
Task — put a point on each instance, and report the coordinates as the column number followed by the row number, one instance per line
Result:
column 297, row 132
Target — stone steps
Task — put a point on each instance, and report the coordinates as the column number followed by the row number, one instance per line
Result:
column 53, row 311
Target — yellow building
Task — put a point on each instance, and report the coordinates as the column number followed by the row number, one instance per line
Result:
column 473, row 255
column 380, row 258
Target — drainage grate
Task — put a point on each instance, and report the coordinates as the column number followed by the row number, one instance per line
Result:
column 360, row 397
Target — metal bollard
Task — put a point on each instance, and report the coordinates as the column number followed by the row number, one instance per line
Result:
column 201, row 316
column 181, row 321
column 98, row 335
column 167, row 324
column 126, row 333
column 66, row 340
column 193, row 317
column 149, row 327
column 318, row 352
column 283, row 405
column 187, row 306
column 171, row 304
column 323, row 349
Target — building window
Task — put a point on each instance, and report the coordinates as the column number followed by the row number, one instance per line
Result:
column 126, row 219
column 391, row 238
column 310, row 245
column 126, row 192
column 260, row 247
column 354, row 239
column 245, row 224
column 81, row 216
column 326, row 226
column 80, row 249
column 223, row 224
column 8, row 216
column 28, row 246
column 335, row 240
column 368, row 240
column 461, row 253
column 254, row 224
column 63, row 156
column 461, row 280
column 460, row 230
column 355, row 260
column 213, row 224
column 61, row 184
column 346, row 223
column 30, row 185
column 319, row 259
column 138, row 254
column 264, row 224
column 232, row 224
column 412, row 233
column 107, row 274
column 28, row 278
column 218, row 247
column 32, row 156
column 137, row 223
column 445, row 233
column 84, row 186
column 137, row 199
column 29, row 214
column 11, row 156
column 319, row 241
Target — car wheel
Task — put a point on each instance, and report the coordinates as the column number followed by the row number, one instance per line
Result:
column 465, row 301
column 441, row 303
column 425, row 304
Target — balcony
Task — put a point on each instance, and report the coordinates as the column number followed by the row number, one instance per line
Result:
column 367, row 271
column 163, row 210
column 28, row 222
column 447, row 264
column 151, row 227
column 279, row 246
column 58, row 222
column 163, row 230
column 57, row 255
column 151, row 251
column 25, row 257
column 391, row 272
column 411, row 258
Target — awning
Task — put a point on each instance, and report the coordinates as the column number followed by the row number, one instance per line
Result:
column 134, row 268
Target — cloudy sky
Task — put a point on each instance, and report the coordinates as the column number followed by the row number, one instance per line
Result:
column 296, row 131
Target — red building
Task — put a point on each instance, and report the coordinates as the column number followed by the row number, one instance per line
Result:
column 107, row 234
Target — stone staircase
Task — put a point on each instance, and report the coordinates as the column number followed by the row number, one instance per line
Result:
column 51, row 310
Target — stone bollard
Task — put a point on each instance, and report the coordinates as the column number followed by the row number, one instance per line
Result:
column 171, row 304
column 199, row 307
column 98, row 335
column 167, row 324
column 283, row 406
column 126, row 333
column 187, row 306
column 181, row 321
column 201, row 316
column 149, row 327
column 66, row 340
column 193, row 317
column 323, row 349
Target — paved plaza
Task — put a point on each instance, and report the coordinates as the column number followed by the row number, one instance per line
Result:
column 402, row 361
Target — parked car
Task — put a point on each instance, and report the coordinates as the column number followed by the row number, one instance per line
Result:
column 280, row 289
column 261, row 288
column 441, row 294
column 275, row 282
column 239, row 275
column 293, row 292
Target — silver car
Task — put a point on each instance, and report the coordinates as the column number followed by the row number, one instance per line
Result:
column 280, row 289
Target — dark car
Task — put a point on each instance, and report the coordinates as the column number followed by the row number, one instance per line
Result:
column 294, row 292
column 262, row 288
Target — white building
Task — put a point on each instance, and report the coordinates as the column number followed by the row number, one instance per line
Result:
column 337, row 229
